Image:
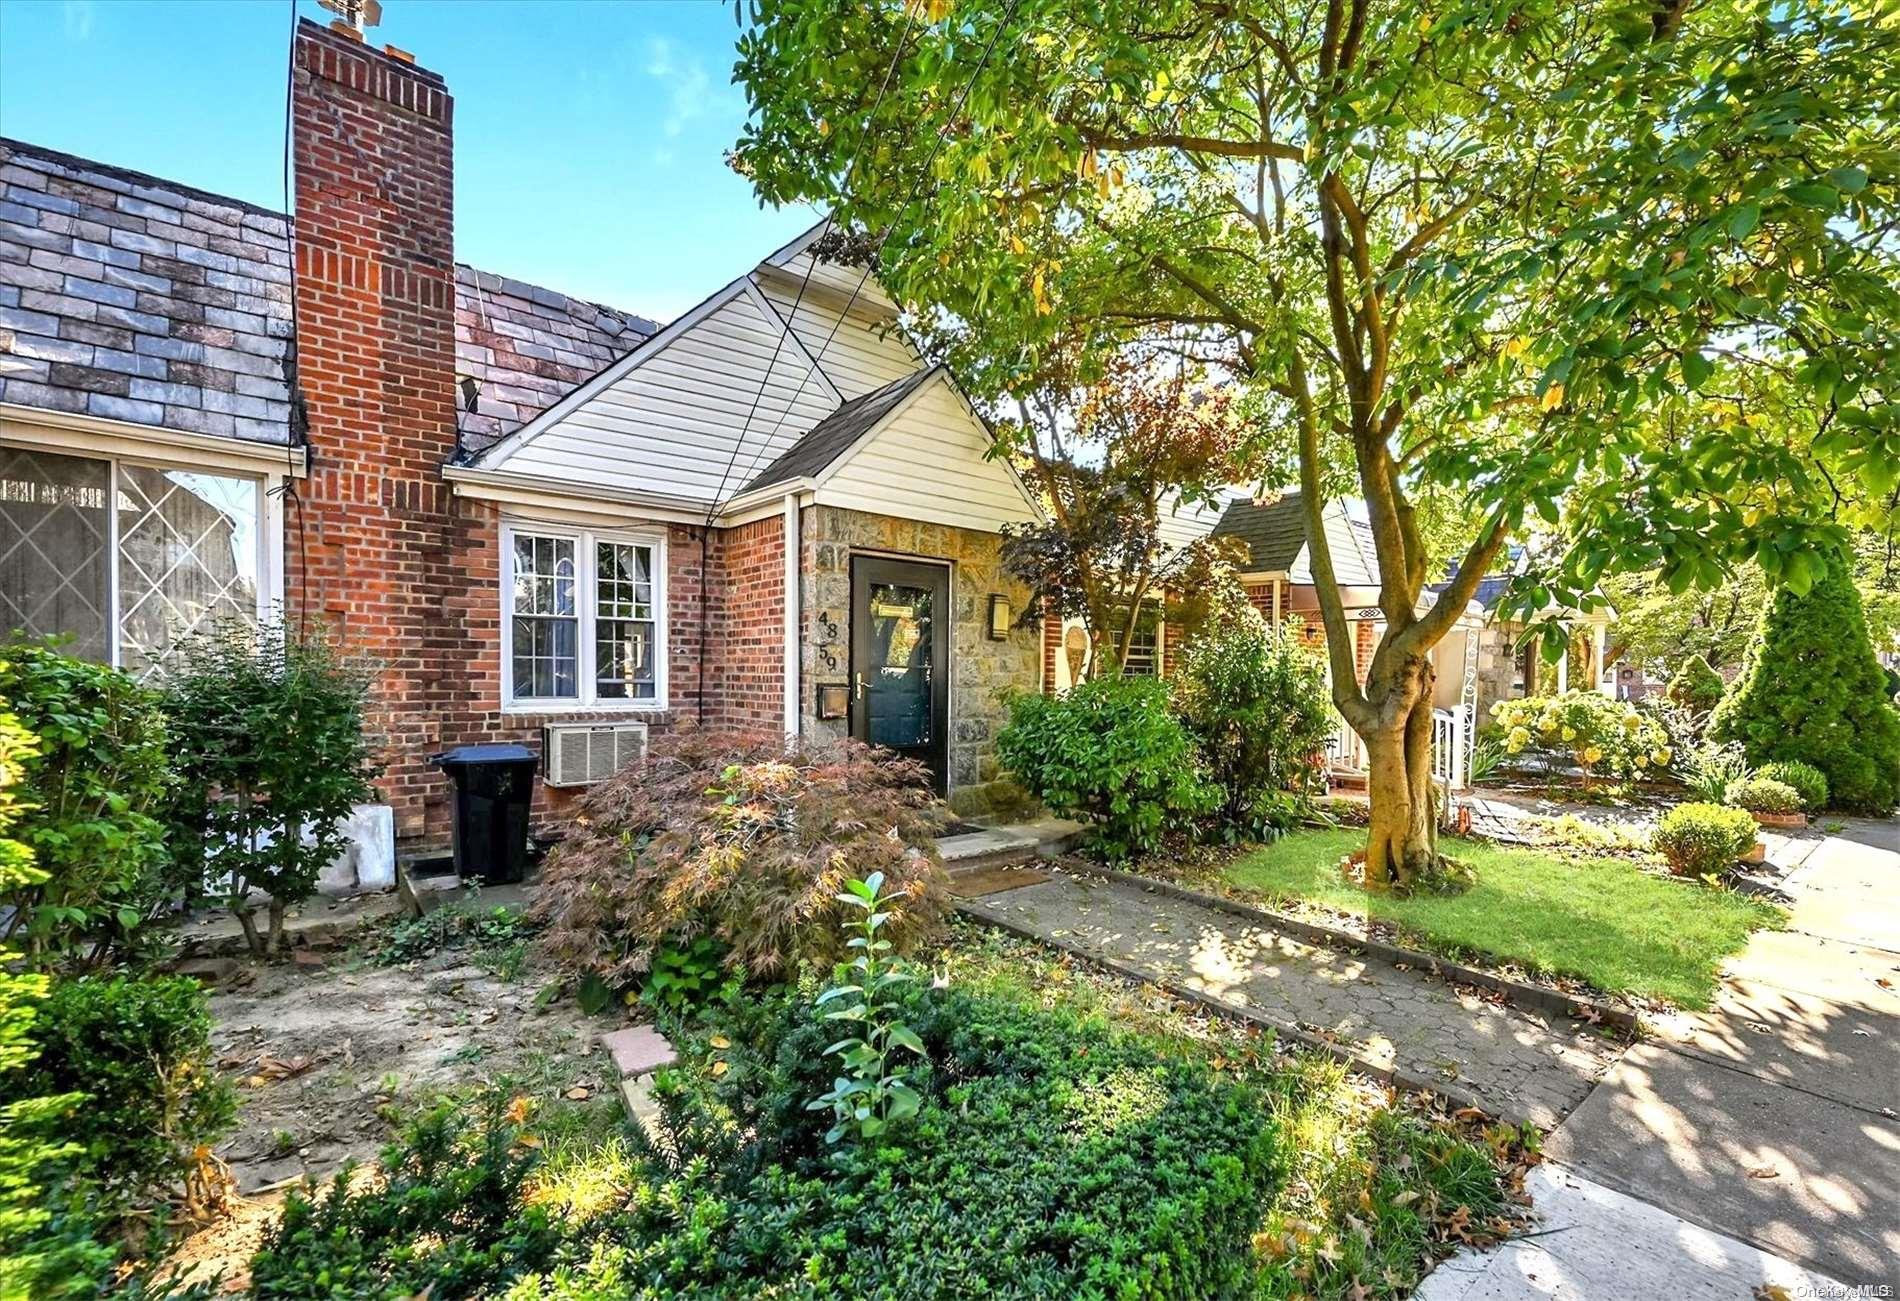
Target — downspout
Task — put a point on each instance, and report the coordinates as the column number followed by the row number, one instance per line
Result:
column 793, row 620
column 705, row 590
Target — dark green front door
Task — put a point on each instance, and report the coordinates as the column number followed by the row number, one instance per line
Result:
column 900, row 659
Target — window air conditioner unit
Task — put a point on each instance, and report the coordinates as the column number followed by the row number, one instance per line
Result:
column 580, row 754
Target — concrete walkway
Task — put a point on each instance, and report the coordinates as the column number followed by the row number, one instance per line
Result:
column 1391, row 1022
column 1772, row 1120
column 1593, row 1244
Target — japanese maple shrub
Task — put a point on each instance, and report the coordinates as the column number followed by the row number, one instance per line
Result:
column 1111, row 751
column 1811, row 689
column 90, row 790
column 735, row 837
column 272, row 757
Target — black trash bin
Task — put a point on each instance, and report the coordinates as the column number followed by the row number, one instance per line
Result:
column 494, row 785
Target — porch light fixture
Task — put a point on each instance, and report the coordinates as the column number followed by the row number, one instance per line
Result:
column 999, row 617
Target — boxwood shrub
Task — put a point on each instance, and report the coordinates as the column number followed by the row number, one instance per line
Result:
column 1808, row 781
column 139, row 1050
column 1759, row 794
column 1111, row 751
column 1703, row 839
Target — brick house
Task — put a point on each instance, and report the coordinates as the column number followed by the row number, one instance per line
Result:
column 548, row 520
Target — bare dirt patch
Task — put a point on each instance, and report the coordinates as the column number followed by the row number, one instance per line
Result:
column 329, row 1052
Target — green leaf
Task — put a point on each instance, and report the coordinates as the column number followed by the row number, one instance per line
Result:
column 593, row 994
column 1696, row 369
column 1743, row 218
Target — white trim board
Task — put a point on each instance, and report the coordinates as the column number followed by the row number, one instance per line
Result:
column 62, row 431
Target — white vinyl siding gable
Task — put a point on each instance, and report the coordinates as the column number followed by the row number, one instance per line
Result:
column 670, row 423
column 927, row 462
column 859, row 350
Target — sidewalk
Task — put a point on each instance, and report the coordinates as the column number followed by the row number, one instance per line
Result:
column 1770, row 1122
column 1390, row 1022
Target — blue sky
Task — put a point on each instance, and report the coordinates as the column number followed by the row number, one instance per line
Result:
column 589, row 136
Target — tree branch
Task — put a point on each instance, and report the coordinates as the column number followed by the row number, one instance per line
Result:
column 1189, row 144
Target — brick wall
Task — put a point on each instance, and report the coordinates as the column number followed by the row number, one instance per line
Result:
column 377, row 546
column 745, row 664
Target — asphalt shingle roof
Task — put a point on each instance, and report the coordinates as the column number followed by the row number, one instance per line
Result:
column 1274, row 532
column 831, row 437
column 1275, row 536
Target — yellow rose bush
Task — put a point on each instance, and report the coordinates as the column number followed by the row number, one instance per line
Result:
column 1604, row 737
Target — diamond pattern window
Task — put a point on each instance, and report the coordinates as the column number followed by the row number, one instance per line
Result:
column 123, row 559
column 187, row 556
column 56, row 549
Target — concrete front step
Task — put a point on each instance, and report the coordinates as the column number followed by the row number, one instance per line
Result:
column 1009, row 845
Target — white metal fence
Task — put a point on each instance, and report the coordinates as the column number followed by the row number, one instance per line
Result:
column 1452, row 736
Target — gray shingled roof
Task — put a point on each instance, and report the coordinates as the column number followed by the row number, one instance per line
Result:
column 128, row 297
column 1274, row 532
column 831, row 437
column 1275, row 536
column 528, row 347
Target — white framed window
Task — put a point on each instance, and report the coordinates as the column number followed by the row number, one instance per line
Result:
column 127, row 558
column 583, row 623
column 1145, row 648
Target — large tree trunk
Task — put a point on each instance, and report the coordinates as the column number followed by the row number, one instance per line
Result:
column 1402, row 841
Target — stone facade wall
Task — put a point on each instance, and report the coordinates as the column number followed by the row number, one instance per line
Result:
column 981, row 670
column 1497, row 667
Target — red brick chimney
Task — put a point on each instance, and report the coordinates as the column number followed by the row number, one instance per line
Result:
column 373, row 532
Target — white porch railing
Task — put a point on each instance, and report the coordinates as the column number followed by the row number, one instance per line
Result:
column 1452, row 736
column 1347, row 752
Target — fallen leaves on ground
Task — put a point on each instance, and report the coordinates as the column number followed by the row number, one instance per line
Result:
column 269, row 1070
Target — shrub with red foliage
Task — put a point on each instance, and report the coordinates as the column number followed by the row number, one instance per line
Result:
column 733, row 835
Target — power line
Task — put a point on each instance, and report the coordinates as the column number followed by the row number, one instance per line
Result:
column 811, row 261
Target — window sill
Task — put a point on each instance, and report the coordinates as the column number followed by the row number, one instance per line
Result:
column 563, row 708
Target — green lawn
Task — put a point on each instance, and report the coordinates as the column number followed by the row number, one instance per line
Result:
column 1600, row 919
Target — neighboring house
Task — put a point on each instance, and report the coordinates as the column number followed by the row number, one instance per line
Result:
column 1509, row 667
column 533, row 511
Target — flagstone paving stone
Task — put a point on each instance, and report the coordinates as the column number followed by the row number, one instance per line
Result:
column 1415, row 1027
